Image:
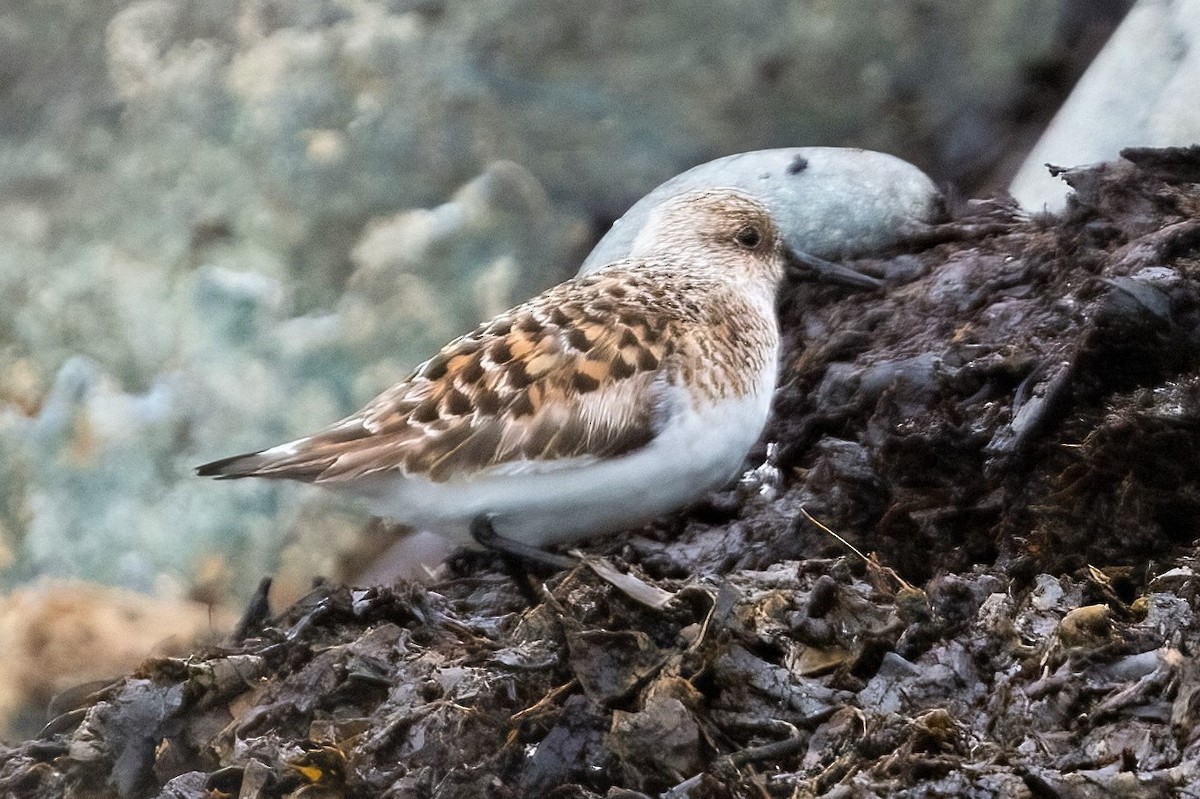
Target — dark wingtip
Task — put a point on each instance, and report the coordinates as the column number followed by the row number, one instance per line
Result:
column 228, row 468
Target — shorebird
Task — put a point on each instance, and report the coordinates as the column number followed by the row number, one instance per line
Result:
column 611, row 399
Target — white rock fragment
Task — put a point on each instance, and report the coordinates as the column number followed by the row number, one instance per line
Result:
column 1140, row 91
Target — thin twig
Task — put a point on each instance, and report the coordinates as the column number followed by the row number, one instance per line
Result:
column 545, row 701
column 870, row 560
column 849, row 546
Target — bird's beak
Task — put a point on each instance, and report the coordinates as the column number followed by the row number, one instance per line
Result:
column 802, row 266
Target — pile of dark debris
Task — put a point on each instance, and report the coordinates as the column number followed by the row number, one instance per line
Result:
column 967, row 569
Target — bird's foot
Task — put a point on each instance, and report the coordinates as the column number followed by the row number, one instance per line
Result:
column 486, row 536
column 519, row 559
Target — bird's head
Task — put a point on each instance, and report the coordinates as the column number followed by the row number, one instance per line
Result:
column 728, row 230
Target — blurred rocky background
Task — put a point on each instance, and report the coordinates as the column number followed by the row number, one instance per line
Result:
column 224, row 224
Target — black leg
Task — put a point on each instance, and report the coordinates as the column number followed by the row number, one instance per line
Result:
column 486, row 536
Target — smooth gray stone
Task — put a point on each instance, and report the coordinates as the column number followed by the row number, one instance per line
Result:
column 830, row 202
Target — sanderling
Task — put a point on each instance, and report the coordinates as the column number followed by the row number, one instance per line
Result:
column 606, row 401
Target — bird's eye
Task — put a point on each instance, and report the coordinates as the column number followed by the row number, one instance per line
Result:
column 748, row 237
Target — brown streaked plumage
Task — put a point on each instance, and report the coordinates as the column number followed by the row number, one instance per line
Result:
column 638, row 364
column 572, row 373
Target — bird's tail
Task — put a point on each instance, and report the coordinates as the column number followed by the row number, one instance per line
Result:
column 250, row 464
column 292, row 461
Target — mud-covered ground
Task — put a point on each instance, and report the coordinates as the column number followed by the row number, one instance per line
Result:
column 1010, row 434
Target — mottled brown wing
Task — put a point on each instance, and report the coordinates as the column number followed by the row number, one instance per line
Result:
column 582, row 371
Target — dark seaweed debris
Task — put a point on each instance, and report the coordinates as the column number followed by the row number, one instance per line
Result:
column 1011, row 431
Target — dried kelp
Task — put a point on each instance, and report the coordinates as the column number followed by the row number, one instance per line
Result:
column 969, row 570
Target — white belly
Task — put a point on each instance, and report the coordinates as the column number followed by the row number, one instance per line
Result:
column 698, row 451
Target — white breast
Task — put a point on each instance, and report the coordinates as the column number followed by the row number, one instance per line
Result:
column 699, row 450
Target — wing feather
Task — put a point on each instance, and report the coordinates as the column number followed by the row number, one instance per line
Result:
column 583, row 370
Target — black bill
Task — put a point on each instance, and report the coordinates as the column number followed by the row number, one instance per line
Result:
column 802, row 266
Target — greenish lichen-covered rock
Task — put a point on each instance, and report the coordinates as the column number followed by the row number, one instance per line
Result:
column 161, row 369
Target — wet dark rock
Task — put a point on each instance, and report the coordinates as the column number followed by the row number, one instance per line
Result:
column 1006, row 437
